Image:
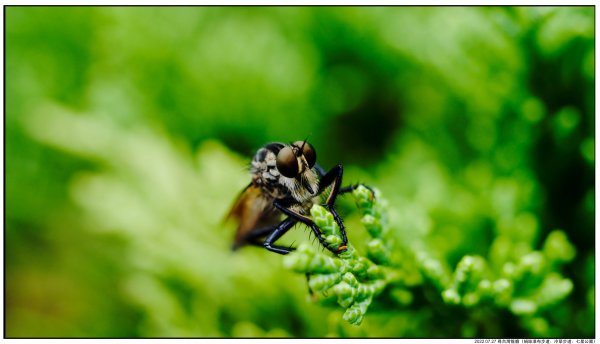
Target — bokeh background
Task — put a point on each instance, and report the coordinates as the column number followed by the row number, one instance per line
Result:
column 128, row 132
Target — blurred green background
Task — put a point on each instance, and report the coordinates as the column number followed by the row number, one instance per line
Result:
column 129, row 130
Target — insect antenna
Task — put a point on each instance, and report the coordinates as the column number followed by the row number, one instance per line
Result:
column 303, row 143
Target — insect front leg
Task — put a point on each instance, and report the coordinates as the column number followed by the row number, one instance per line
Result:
column 335, row 176
column 309, row 222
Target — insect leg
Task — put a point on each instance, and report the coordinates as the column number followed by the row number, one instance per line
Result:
column 309, row 222
column 340, row 223
column 334, row 176
column 320, row 170
column 279, row 230
column 255, row 236
column 351, row 188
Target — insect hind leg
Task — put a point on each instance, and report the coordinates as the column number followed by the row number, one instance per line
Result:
column 276, row 233
column 255, row 237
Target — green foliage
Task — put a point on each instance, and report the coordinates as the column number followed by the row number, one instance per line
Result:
column 128, row 130
column 525, row 286
column 351, row 279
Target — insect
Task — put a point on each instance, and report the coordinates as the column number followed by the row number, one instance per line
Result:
column 286, row 182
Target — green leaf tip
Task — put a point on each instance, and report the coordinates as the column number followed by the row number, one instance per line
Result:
column 557, row 247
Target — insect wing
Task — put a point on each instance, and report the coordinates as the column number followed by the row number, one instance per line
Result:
column 253, row 212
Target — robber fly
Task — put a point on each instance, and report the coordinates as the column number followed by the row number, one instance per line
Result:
column 286, row 182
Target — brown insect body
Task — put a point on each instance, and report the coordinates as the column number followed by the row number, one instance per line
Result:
column 286, row 182
column 254, row 206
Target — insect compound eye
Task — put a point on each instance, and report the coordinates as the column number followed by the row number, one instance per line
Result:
column 287, row 163
column 308, row 151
